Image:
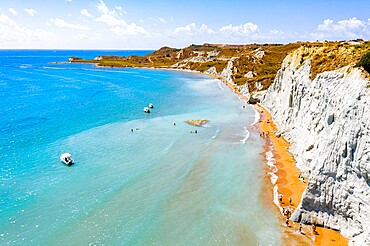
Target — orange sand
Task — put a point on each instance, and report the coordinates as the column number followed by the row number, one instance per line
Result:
column 291, row 187
column 289, row 184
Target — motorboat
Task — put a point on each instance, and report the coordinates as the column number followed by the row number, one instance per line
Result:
column 67, row 159
column 151, row 105
column 146, row 110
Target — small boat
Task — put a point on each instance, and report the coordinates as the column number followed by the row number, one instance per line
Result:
column 67, row 159
column 146, row 110
column 151, row 105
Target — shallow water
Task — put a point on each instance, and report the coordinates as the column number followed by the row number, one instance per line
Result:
column 158, row 184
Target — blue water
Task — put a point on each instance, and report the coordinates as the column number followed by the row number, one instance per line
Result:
column 158, row 184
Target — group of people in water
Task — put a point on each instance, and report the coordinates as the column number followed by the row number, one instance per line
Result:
column 136, row 129
column 264, row 134
column 287, row 212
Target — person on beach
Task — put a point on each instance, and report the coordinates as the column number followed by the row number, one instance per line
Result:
column 313, row 228
column 287, row 222
column 300, row 227
column 280, row 197
column 290, row 200
column 285, row 212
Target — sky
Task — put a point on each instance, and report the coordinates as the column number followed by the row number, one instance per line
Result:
column 145, row 24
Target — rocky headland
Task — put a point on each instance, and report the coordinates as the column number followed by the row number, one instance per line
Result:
column 320, row 101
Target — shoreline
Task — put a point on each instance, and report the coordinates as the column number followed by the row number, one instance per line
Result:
column 281, row 166
column 284, row 179
column 282, row 172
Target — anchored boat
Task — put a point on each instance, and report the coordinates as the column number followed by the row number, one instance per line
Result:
column 146, row 110
column 67, row 159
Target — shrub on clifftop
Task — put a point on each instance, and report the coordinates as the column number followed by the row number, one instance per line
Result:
column 365, row 62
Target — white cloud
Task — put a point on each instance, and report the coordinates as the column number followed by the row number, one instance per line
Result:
column 340, row 26
column 31, row 12
column 326, row 25
column 121, row 10
column 246, row 29
column 131, row 29
column 205, row 29
column 86, row 13
column 62, row 23
column 118, row 26
column 102, row 7
column 192, row 29
column 236, row 34
column 343, row 29
column 12, row 33
column 4, row 19
column 13, row 11
column 187, row 28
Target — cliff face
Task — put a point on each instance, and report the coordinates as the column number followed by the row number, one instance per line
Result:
column 227, row 75
column 327, row 123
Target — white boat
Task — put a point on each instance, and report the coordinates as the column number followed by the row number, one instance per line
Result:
column 146, row 110
column 67, row 159
column 151, row 105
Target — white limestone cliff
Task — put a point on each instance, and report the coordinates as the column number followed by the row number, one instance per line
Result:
column 227, row 75
column 327, row 122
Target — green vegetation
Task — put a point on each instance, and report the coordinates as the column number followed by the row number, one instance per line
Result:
column 365, row 62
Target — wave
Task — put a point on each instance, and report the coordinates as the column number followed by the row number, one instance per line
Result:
column 257, row 117
column 141, row 76
column 220, row 85
column 244, row 140
column 217, row 134
column 273, row 177
column 54, row 68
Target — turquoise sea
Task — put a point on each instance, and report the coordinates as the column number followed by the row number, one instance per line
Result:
column 159, row 184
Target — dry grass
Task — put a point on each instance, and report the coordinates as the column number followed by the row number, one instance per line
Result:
column 324, row 57
column 332, row 56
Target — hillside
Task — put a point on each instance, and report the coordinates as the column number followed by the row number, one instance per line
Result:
column 252, row 67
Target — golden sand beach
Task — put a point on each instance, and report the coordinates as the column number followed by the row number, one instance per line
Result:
column 289, row 184
column 291, row 188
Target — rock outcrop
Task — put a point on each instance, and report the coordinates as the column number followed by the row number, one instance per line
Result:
column 326, row 120
column 227, row 75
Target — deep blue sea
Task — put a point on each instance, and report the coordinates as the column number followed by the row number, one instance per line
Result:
column 138, row 179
